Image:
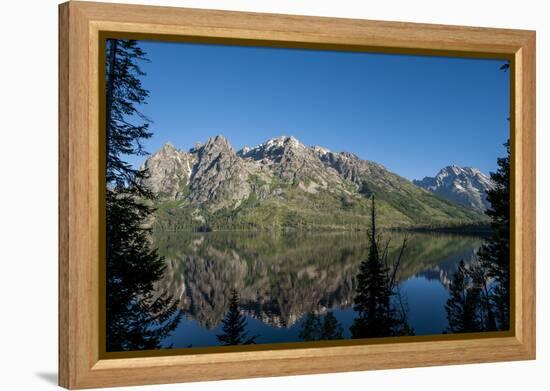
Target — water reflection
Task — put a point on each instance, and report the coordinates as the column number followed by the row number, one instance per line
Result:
column 281, row 279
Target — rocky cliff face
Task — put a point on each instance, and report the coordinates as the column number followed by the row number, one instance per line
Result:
column 464, row 185
column 283, row 183
column 219, row 176
column 169, row 171
column 293, row 163
column 362, row 172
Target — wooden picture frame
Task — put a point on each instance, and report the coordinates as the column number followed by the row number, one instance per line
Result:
column 81, row 24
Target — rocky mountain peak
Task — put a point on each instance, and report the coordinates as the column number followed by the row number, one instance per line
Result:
column 320, row 151
column 218, row 141
column 243, row 151
column 168, row 147
column 167, row 151
column 214, row 145
column 464, row 185
column 283, row 141
column 168, row 171
column 273, row 149
column 455, row 170
column 219, row 175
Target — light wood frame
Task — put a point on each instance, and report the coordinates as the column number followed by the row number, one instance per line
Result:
column 80, row 23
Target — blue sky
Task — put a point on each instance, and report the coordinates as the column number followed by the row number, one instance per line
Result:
column 414, row 114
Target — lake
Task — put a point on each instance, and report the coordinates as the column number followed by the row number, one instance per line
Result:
column 280, row 278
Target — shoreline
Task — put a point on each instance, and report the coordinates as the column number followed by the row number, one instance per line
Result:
column 465, row 229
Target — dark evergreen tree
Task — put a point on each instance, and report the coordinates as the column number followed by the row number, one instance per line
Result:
column 234, row 325
column 377, row 316
column 332, row 329
column 137, row 317
column 127, row 127
column 315, row 329
column 463, row 305
column 495, row 252
column 481, row 280
column 311, row 328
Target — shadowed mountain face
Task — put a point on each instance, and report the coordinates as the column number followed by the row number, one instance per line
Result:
column 464, row 185
column 282, row 277
column 284, row 185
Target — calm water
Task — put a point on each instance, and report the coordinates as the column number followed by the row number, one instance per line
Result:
column 281, row 278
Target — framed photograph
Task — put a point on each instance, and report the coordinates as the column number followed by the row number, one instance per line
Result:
column 246, row 195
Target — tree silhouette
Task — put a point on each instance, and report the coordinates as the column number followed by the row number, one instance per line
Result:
column 495, row 252
column 377, row 315
column 332, row 329
column 127, row 127
column 313, row 329
column 137, row 318
column 480, row 279
column 463, row 305
column 234, row 325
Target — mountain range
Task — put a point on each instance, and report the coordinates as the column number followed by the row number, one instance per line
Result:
column 283, row 184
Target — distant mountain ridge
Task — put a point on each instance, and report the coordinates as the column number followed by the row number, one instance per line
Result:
column 282, row 184
column 464, row 185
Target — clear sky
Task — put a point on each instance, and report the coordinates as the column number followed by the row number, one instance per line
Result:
column 414, row 114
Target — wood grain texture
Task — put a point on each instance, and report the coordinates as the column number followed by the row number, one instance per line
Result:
column 80, row 365
column 63, row 176
column 528, row 185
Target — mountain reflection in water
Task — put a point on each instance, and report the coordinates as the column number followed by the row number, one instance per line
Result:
column 281, row 278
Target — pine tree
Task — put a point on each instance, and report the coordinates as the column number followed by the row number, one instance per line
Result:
column 481, row 280
column 127, row 127
column 377, row 316
column 311, row 328
column 234, row 325
column 495, row 252
column 137, row 318
column 315, row 329
column 332, row 329
column 463, row 305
